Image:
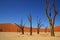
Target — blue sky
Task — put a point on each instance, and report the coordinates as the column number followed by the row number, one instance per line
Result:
column 12, row 11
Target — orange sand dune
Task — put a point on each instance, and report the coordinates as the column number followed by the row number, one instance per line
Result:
column 57, row 28
column 9, row 28
column 14, row 28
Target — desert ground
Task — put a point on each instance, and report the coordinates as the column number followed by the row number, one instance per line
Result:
column 27, row 36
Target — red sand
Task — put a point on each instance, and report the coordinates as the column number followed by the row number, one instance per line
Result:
column 9, row 28
column 14, row 28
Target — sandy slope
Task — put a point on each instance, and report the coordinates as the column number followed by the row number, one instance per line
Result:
column 8, row 27
column 26, row 36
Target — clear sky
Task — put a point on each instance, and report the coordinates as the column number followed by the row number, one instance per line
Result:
column 12, row 11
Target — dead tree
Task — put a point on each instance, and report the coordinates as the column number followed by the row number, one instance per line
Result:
column 22, row 27
column 48, row 15
column 30, row 20
column 19, row 27
column 38, row 25
column 38, row 28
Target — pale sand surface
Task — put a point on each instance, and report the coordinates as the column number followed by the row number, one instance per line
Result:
column 26, row 36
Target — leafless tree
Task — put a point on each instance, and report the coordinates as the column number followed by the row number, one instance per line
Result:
column 48, row 15
column 39, row 24
column 30, row 20
column 21, row 26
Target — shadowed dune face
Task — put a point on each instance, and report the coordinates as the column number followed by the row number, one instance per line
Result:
column 14, row 28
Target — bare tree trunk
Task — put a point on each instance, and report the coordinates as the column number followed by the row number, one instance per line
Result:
column 52, row 30
column 38, row 29
column 51, row 27
column 38, row 25
column 30, row 20
column 50, row 18
column 30, row 28
column 22, row 27
column 23, row 30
